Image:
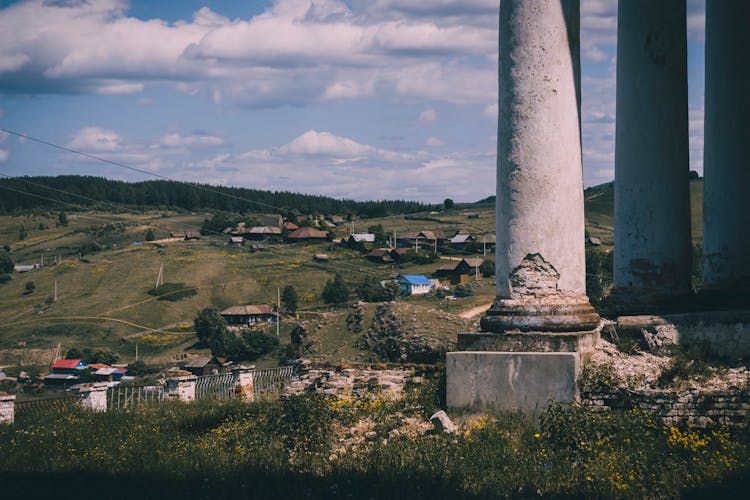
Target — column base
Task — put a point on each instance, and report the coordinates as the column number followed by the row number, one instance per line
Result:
column 554, row 314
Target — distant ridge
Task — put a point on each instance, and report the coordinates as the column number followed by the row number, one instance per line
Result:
column 56, row 193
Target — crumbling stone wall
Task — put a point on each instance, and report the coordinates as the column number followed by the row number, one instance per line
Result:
column 730, row 407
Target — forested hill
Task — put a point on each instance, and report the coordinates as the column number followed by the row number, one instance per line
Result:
column 86, row 192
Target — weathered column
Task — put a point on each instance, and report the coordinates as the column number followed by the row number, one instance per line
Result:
column 180, row 385
column 652, row 193
column 726, row 154
column 7, row 409
column 530, row 349
column 540, row 254
column 92, row 396
column 244, row 382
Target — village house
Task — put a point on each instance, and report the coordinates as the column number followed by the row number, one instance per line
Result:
column 204, row 365
column 360, row 241
column 460, row 240
column 414, row 284
column 261, row 233
column 458, row 272
column 290, row 226
column 192, row 235
column 426, row 240
column 307, row 234
column 244, row 316
column 65, row 372
column 380, row 255
column 488, row 243
column 338, row 220
column 236, row 240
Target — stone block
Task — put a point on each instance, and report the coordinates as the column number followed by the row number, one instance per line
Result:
column 7, row 409
column 480, row 381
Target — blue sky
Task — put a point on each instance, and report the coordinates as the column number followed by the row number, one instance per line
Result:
column 363, row 99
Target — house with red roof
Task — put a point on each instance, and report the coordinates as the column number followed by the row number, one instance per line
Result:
column 68, row 366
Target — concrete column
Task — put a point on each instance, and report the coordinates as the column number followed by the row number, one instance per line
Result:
column 540, row 259
column 7, row 409
column 244, row 382
column 180, row 386
column 92, row 396
column 652, row 191
column 726, row 154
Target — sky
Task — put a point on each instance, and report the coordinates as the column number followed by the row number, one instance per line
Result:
column 360, row 99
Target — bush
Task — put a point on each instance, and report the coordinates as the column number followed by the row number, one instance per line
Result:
column 212, row 332
column 487, row 268
column 4, row 278
column 336, row 291
column 29, row 288
column 251, row 345
column 6, row 262
column 370, row 290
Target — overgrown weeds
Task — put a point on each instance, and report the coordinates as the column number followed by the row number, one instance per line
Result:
column 298, row 446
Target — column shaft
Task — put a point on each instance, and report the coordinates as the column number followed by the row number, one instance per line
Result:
column 652, row 193
column 540, row 259
column 726, row 156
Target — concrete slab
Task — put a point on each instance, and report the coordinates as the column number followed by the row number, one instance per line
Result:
column 479, row 382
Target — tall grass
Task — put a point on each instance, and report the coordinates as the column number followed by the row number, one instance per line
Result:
column 306, row 446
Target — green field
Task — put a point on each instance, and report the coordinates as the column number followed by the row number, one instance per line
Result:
column 102, row 298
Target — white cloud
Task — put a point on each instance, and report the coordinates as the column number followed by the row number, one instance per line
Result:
column 95, row 139
column 428, row 115
column 190, row 141
column 295, row 52
column 4, row 154
column 491, row 110
column 434, row 142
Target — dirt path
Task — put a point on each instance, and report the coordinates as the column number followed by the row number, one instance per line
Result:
column 475, row 311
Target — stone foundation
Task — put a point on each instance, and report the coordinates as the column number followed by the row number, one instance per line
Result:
column 7, row 409
column 729, row 408
column 727, row 333
column 92, row 396
column 480, row 382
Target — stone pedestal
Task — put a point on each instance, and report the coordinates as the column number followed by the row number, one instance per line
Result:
column 506, row 381
column 652, row 193
column 244, row 382
column 7, row 409
column 181, row 387
column 541, row 303
column 726, row 168
column 92, row 396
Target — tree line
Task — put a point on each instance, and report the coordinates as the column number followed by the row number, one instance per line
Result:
column 88, row 192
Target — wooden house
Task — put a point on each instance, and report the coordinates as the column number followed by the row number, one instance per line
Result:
column 380, row 255
column 459, row 271
column 243, row 316
column 307, row 234
column 259, row 233
column 204, row 365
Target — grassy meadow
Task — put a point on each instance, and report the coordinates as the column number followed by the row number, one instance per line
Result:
column 312, row 446
column 103, row 300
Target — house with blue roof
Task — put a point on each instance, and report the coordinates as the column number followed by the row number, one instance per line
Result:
column 414, row 284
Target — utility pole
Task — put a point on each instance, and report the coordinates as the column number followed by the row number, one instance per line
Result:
column 278, row 308
column 484, row 246
column 136, row 351
column 55, row 291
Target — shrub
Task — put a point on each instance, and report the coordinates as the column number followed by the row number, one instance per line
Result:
column 336, row 291
column 599, row 378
